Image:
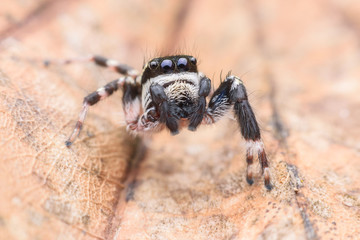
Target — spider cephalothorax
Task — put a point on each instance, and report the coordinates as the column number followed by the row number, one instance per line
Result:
column 170, row 90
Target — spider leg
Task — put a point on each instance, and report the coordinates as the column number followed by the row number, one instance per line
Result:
column 161, row 103
column 230, row 93
column 115, row 65
column 147, row 122
column 197, row 116
column 127, row 83
column 131, row 103
column 100, row 61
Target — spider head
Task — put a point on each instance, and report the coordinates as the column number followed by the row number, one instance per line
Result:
column 169, row 65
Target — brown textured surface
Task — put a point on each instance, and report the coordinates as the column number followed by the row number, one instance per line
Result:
column 300, row 63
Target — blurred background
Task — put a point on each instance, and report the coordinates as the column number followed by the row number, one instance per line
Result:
column 299, row 61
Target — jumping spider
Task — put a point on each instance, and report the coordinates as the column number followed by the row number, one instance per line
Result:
column 171, row 93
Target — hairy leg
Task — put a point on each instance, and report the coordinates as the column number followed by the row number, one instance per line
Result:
column 161, row 103
column 230, row 93
column 130, row 98
column 204, row 90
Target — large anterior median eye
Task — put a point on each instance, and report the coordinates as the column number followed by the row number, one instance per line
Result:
column 182, row 64
column 167, row 65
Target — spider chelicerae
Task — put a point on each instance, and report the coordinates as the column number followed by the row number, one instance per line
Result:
column 171, row 93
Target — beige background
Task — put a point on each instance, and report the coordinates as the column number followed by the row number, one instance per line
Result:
column 300, row 63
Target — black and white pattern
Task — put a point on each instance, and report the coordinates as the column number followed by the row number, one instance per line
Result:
column 170, row 90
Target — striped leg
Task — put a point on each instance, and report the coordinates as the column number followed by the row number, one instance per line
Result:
column 115, row 65
column 232, row 92
column 100, row 61
column 95, row 97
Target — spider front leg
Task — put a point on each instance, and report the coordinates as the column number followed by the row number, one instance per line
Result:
column 197, row 116
column 232, row 92
column 161, row 103
column 131, row 106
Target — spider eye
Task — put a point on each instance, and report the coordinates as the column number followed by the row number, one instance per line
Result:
column 182, row 63
column 193, row 60
column 167, row 65
column 153, row 65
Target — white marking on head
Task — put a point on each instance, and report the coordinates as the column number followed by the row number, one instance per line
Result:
column 165, row 78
